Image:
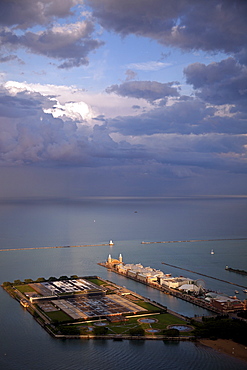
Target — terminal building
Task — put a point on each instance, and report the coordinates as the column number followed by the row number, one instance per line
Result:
column 147, row 274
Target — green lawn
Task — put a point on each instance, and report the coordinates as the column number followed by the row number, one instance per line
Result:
column 24, row 288
column 59, row 316
column 148, row 306
column 96, row 281
column 123, row 327
column 167, row 319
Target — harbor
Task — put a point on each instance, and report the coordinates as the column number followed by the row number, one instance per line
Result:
column 94, row 308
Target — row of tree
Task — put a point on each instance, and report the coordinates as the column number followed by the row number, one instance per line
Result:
column 103, row 330
column 39, row 280
column 222, row 327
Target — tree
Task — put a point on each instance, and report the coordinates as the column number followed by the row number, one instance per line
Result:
column 18, row 282
column 6, row 283
column 171, row 332
column 139, row 331
column 52, row 278
column 27, row 281
column 69, row 330
column 64, row 277
column 224, row 328
column 40, row 279
column 100, row 330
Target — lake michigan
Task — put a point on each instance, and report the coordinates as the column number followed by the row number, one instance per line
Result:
column 24, row 345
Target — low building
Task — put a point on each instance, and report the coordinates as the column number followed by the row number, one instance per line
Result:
column 227, row 304
column 175, row 282
column 190, row 288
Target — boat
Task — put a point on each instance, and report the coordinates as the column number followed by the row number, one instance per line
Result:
column 212, row 251
column 245, row 290
column 236, row 291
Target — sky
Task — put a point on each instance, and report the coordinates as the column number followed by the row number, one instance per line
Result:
column 123, row 98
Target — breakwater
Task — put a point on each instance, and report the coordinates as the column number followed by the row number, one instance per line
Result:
column 198, row 273
column 237, row 271
column 65, row 246
column 191, row 241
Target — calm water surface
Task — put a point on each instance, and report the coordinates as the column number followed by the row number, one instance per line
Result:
column 25, row 345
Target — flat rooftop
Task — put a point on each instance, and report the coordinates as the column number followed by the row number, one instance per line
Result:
column 89, row 308
column 49, row 288
column 68, row 296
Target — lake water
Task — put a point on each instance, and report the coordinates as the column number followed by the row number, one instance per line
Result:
column 25, row 345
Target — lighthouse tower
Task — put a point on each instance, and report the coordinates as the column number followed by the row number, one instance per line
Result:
column 120, row 258
column 109, row 260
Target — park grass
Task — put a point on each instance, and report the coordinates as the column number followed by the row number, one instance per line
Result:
column 24, row 288
column 96, row 281
column 58, row 316
column 164, row 320
column 147, row 306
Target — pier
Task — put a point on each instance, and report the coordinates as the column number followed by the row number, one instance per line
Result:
column 186, row 297
column 208, row 276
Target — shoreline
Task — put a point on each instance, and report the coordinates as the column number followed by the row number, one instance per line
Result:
column 226, row 346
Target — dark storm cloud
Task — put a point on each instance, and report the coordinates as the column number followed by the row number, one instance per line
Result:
column 30, row 136
column 219, row 83
column 188, row 24
column 27, row 13
column 168, row 140
column 148, row 90
column 21, row 105
column 183, row 117
column 71, row 43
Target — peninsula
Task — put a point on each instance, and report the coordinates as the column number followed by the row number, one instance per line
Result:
column 91, row 307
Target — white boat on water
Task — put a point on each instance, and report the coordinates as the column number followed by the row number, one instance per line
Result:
column 212, row 251
column 236, row 291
